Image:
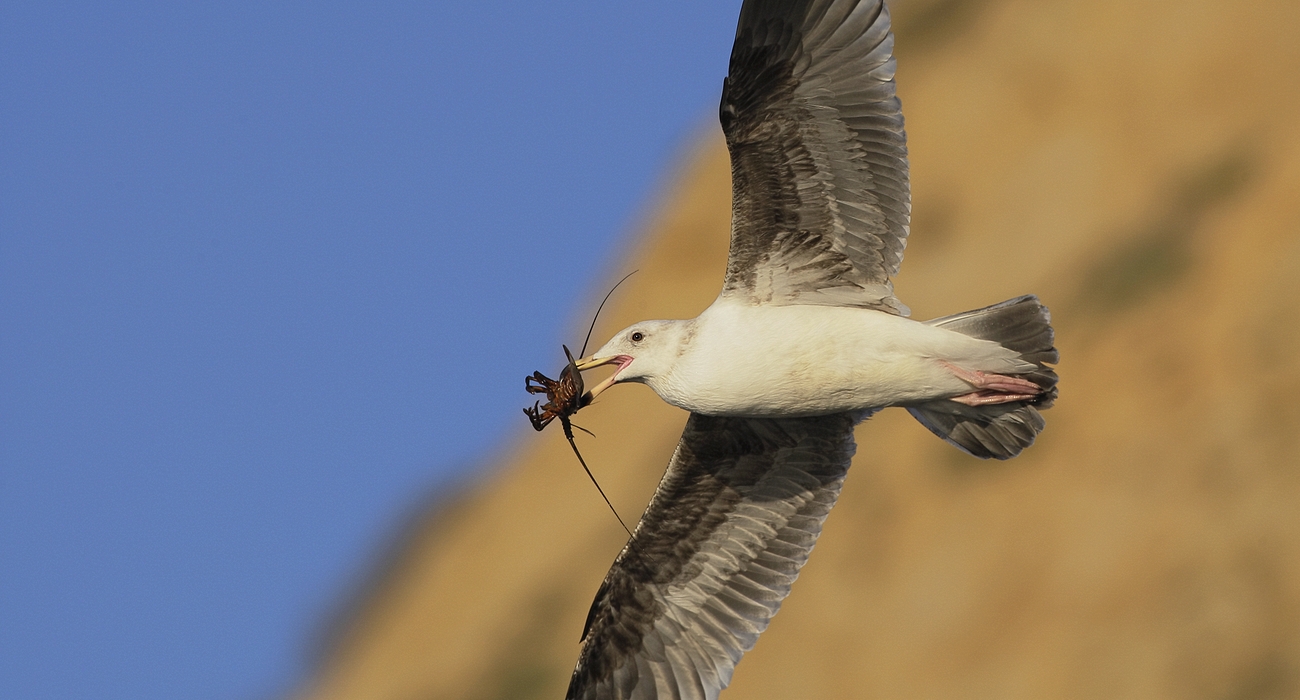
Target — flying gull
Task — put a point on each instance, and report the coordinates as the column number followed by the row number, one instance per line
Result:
column 805, row 341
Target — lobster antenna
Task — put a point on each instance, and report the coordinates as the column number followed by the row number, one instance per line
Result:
column 583, row 462
column 583, row 353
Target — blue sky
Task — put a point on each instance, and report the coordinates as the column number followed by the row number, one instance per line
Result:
column 247, row 253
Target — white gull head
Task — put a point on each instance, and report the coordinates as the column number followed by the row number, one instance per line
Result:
column 643, row 352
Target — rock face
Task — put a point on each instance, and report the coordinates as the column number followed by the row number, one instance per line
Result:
column 1135, row 164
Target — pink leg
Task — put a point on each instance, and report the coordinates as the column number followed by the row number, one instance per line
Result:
column 992, row 388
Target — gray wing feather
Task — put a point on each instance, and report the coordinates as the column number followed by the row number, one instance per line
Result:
column 820, row 196
column 724, row 537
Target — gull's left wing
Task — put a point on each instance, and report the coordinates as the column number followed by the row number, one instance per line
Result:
column 715, row 553
column 820, row 195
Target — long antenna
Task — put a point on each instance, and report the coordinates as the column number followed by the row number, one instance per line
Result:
column 569, row 434
column 583, row 353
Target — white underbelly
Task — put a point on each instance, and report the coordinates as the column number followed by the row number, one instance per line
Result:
column 805, row 389
column 790, row 361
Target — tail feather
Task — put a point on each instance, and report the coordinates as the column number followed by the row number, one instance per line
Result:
column 999, row 431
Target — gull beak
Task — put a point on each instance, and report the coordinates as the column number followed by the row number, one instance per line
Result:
column 592, row 362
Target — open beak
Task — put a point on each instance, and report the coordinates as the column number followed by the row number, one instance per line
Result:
column 592, row 362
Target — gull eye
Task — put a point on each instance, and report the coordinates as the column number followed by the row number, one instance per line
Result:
column 638, row 337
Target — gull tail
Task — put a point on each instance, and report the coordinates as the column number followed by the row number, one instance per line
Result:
column 999, row 431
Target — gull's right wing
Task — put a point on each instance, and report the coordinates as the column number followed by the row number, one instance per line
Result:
column 715, row 553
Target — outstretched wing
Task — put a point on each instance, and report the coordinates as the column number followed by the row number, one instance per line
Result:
column 820, row 196
column 731, row 523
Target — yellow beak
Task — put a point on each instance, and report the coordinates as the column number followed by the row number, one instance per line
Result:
column 592, row 362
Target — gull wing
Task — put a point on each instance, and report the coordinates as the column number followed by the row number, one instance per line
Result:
column 820, row 196
column 725, row 535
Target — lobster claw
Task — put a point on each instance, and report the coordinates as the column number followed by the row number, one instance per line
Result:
column 538, row 418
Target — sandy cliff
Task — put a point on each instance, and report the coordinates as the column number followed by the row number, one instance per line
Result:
column 1135, row 164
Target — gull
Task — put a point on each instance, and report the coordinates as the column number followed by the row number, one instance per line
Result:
column 805, row 340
